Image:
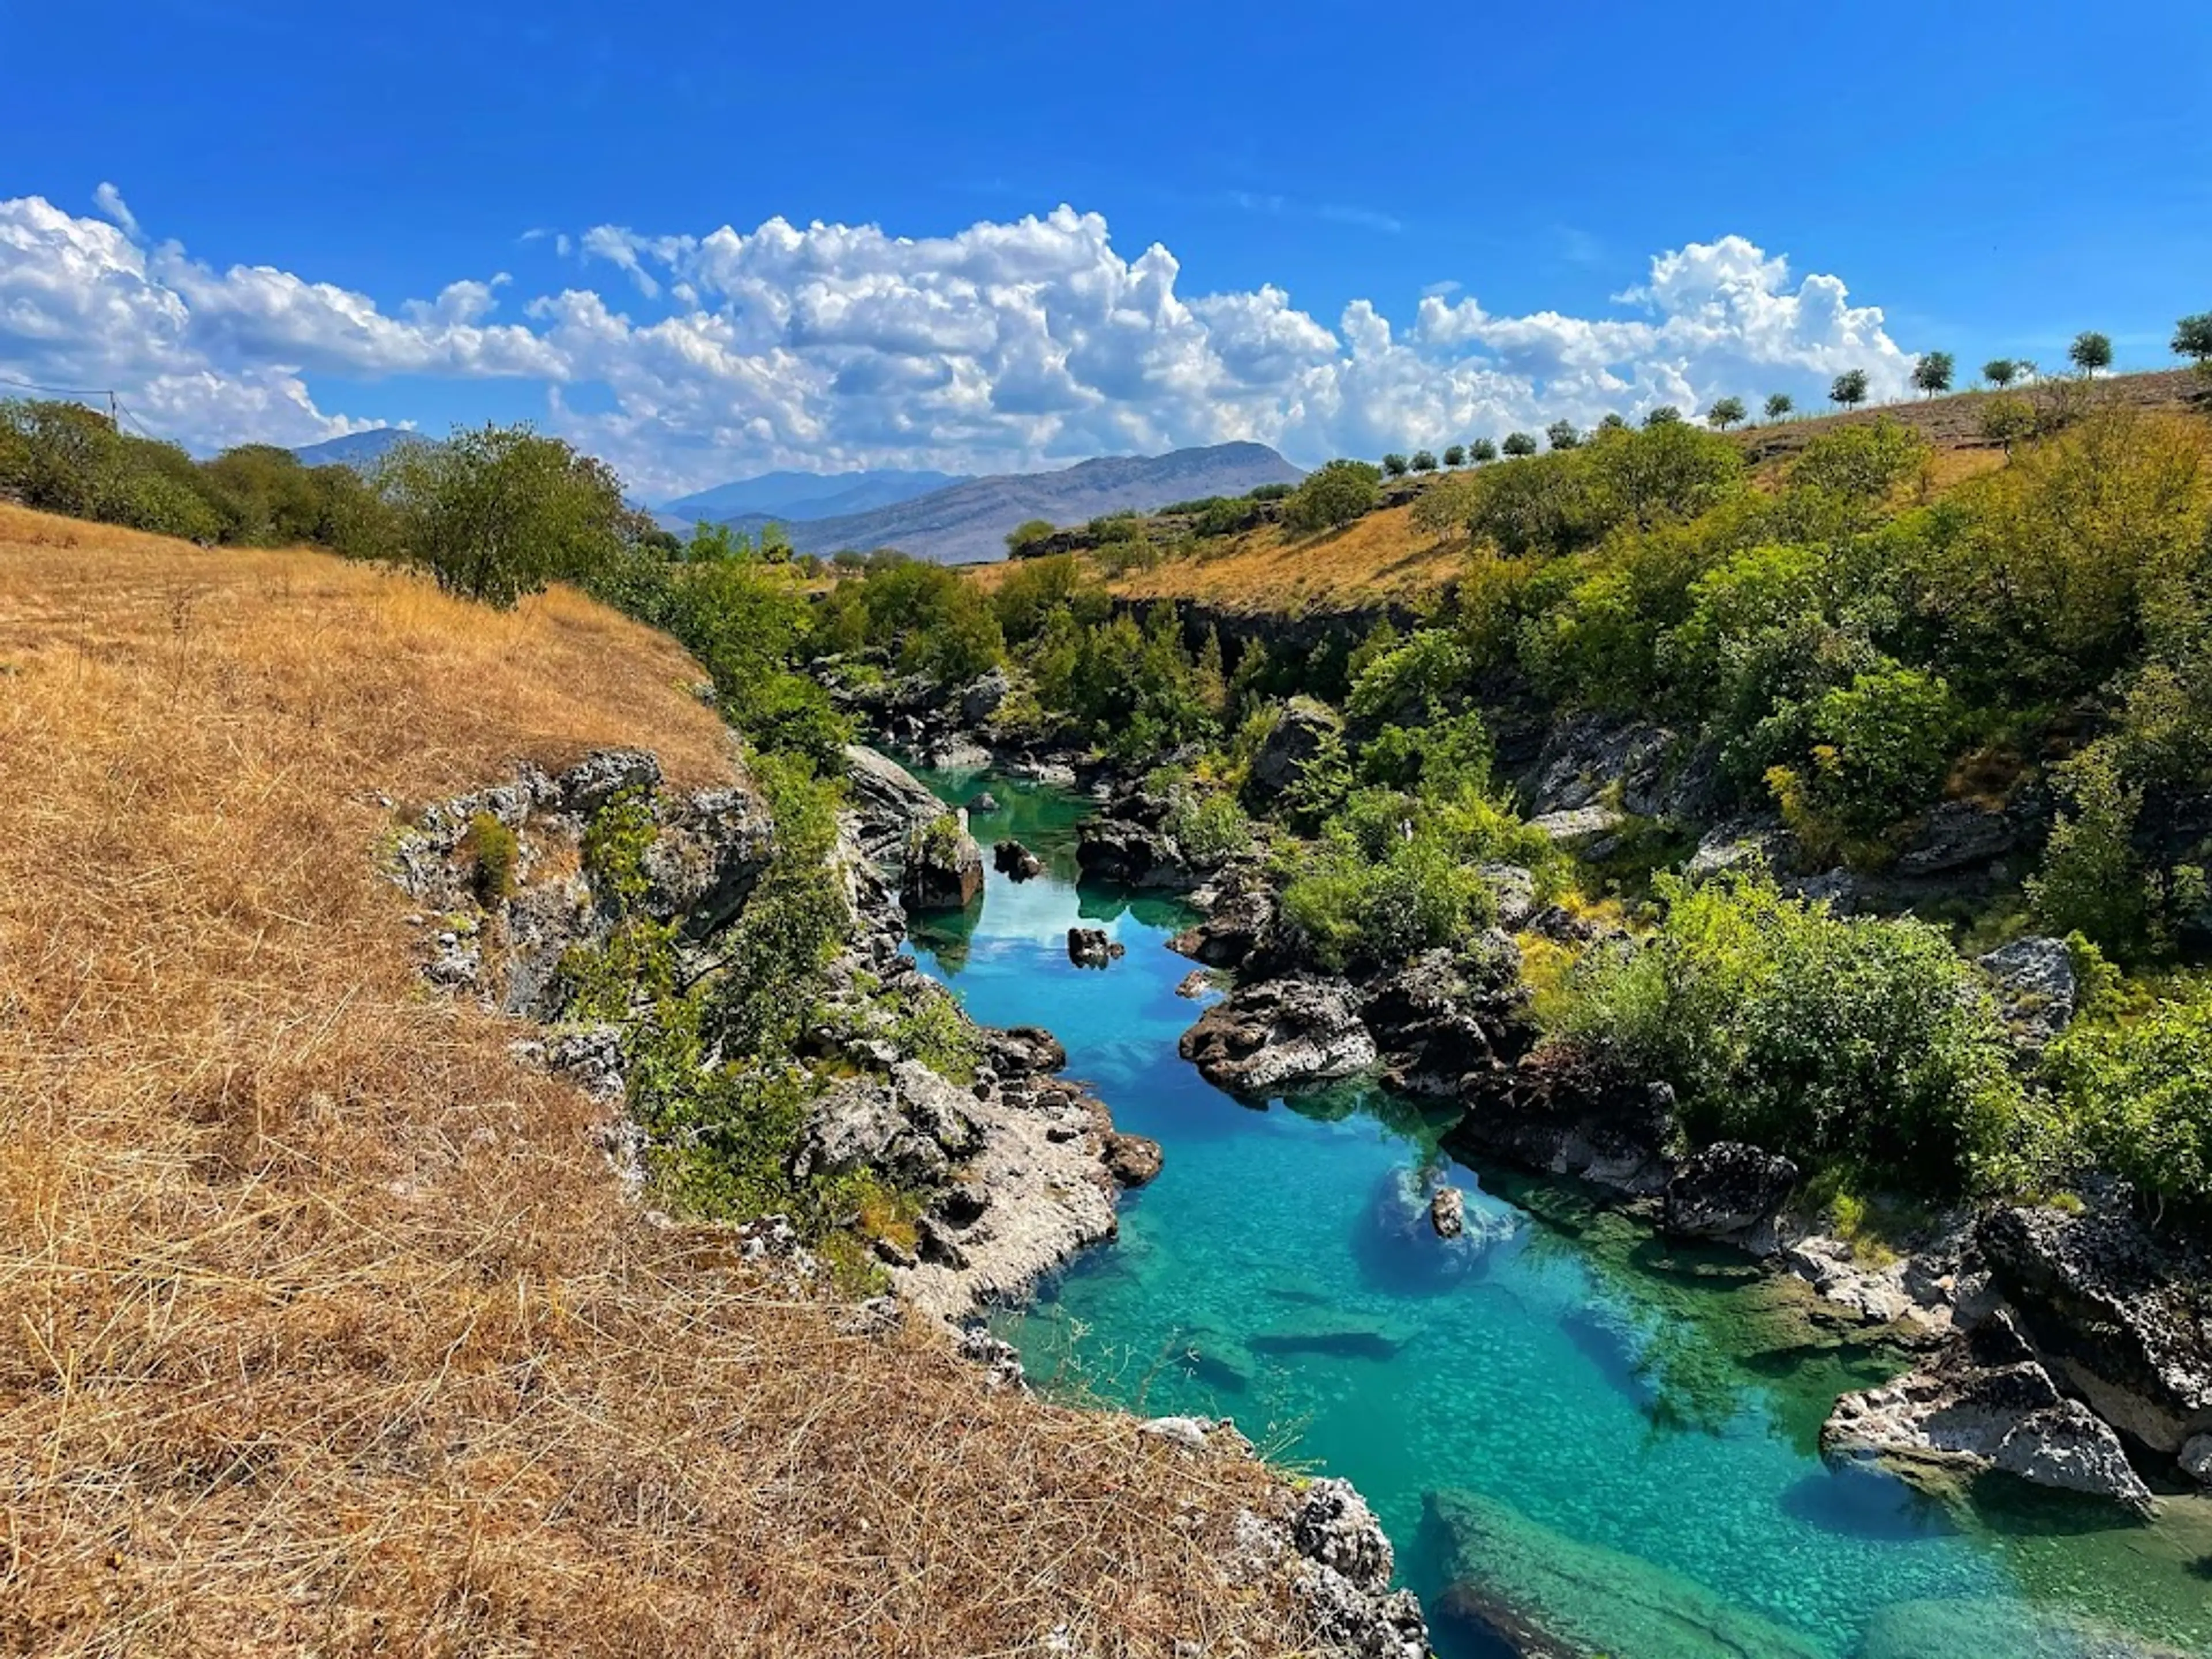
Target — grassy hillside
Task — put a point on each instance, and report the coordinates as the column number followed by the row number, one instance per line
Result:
column 323, row 1327
column 1385, row 556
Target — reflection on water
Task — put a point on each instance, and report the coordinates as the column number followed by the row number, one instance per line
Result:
column 1650, row 1412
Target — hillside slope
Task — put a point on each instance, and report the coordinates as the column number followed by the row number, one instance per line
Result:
column 970, row 521
column 1384, row 558
column 324, row 1325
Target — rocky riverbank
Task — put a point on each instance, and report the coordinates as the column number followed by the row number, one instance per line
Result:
column 1011, row 1172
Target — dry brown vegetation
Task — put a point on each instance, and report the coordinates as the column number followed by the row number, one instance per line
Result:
column 323, row 1327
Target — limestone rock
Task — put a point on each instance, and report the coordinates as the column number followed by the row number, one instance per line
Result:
column 982, row 801
column 1000, row 1360
column 1299, row 733
column 937, row 1109
column 1091, row 947
column 1578, row 825
column 944, row 866
column 1515, row 886
column 2196, row 1459
column 1278, row 1034
column 1024, row 1051
column 1010, row 857
column 1984, row 1402
column 1241, row 923
column 1731, row 1192
column 982, row 698
column 2035, row 985
column 2122, row 1320
column 1132, row 1160
column 597, row 778
column 857, row 1125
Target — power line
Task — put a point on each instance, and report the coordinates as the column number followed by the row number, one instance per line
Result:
column 68, row 391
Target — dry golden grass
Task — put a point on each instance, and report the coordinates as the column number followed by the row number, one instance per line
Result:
column 323, row 1327
column 1378, row 560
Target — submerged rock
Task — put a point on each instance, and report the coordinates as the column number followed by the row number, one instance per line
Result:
column 1447, row 1212
column 1973, row 1629
column 1280, row 1034
column 1536, row 1592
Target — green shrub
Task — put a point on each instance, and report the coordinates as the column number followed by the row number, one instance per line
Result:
column 1209, row 825
column 495, row 851
column 1879, row 749
column 2138, row 1098
column 1860, row 1044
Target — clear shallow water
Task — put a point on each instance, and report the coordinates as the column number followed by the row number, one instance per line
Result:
column 1657, row 1406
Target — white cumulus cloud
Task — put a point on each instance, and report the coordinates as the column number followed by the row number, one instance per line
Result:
column 1010, row 343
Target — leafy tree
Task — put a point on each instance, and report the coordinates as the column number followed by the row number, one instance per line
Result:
column 1849, row 388
column 496, row 512
column 1999, row 372
column 1779, row 404
column 1861, row 464
column 1394, row 465
column 1424, row 461
column 1519, row 443
column 2006, row 420
column 1331, row 496
column 1932, row 373
column 1726, row 413
column 1562, row 435
column 1482, row 450
column 1661, row 415
column 2192, row 338
column 2092, row 882
column 1027, row 535
column 1613, row 421
column 2090, row 351
column 1879, row 749
column 1455, row 455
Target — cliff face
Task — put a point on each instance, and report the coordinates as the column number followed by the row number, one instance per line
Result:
column 331, row 1327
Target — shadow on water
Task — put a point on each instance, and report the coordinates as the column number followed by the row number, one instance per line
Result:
column 1854, row 1502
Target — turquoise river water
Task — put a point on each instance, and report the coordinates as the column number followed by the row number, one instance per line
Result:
column 1648, row 1416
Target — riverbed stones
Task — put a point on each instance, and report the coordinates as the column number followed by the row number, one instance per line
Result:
column 1280, row 1034
column 1973, row 1628
column 1729, row 1191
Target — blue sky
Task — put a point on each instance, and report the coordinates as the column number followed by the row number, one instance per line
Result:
column 286, row 179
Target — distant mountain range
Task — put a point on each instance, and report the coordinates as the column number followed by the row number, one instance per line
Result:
column 967, row 522
column 932, row 515
column 789, row 496
column 356, row 449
